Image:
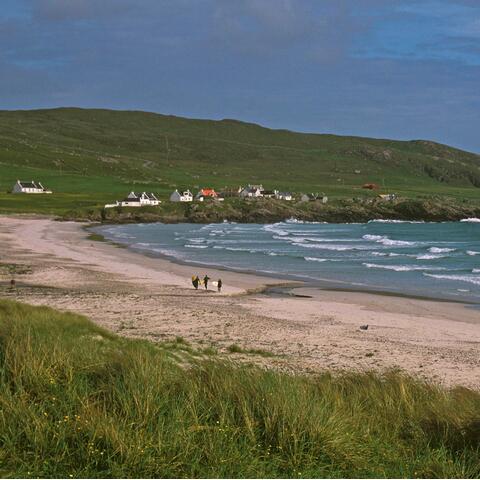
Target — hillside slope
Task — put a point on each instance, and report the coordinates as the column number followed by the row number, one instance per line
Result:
column 169, row 151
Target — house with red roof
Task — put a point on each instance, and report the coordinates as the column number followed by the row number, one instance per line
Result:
column 206, row 193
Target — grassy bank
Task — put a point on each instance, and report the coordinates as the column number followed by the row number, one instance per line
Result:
column 270, row 210
column 77, row 401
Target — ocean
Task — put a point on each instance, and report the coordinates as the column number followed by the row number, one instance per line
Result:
column 436, row 260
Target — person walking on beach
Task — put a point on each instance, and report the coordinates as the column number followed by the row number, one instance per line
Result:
column 195, row 281
column 206, row 278
column 219, row 285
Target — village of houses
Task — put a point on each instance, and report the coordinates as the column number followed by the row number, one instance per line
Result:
column 136, row 199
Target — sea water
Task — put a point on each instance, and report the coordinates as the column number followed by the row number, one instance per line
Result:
column 437, row 260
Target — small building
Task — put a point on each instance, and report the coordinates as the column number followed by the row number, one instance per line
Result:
column 140, row 200
column 29, row 187
column 185, row 196
column 370, row 186
column 389, row 197
column 251, row 191
column 268, row 193
column 206, row 193
column 133, row 199
column 283, row 196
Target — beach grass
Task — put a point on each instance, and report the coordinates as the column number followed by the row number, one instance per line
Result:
column 79, row 401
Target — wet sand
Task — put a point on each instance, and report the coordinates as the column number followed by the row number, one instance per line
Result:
column 139, row 296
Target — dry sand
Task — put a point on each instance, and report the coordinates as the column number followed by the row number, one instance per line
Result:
column 153, row 298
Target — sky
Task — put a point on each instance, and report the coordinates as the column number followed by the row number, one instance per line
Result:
column 402, row 69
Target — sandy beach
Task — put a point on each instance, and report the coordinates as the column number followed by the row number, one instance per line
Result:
column 143, row 297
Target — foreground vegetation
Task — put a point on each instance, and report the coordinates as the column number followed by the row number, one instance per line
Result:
column 93, row 157
column 78, row 401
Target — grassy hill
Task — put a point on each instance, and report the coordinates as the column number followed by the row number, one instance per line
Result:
column 77, row 401
column 90, row 157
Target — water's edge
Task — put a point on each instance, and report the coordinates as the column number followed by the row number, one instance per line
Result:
column 287, row 289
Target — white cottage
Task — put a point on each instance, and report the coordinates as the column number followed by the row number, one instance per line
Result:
column 185, row 196
column 136, row 200
column 283, row 196
column 140, row 200
column 29, row 187
column 252, row 191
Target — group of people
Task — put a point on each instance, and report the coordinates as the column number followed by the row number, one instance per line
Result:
column 196, row 282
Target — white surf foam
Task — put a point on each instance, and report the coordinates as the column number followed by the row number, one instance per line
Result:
column 384, row 240
column 475, row 279
column 401, row 268
column 471, row 220
column 294, row 220
column 276, row 229
column 441, row 250
column 428, row 256
column 394, row 221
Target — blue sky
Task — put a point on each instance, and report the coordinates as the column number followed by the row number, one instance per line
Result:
column 404, row 69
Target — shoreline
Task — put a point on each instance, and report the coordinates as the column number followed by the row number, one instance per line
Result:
column 143, row 297
column 289, row 281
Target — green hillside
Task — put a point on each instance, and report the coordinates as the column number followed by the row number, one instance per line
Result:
column 94, row 156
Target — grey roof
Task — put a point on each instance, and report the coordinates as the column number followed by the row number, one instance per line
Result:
column 138, row 196
column 31, row 184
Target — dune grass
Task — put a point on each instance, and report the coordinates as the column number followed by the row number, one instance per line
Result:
column 78, row 401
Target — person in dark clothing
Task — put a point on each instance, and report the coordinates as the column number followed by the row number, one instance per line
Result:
column 195, row 281
column 219, row 284
column 206, row 278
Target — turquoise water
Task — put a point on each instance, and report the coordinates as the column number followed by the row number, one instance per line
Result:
column 439, row 260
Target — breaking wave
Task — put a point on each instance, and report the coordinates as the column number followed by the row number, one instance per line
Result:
column 471, row 220
column 395, row 221
column 441, row 250
column 401, row 268
column 384, row 240
column 475, row 279
column 428, row 256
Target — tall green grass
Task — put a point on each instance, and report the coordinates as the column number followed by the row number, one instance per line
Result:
column 77, row 401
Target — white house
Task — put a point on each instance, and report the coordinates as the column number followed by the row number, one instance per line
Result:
column 283, row 196
column 251, row 191
column 136, row 200
column 29, row 187
column 185, row 196
column 389, row 197
column 268, row 193
column 140, row 200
